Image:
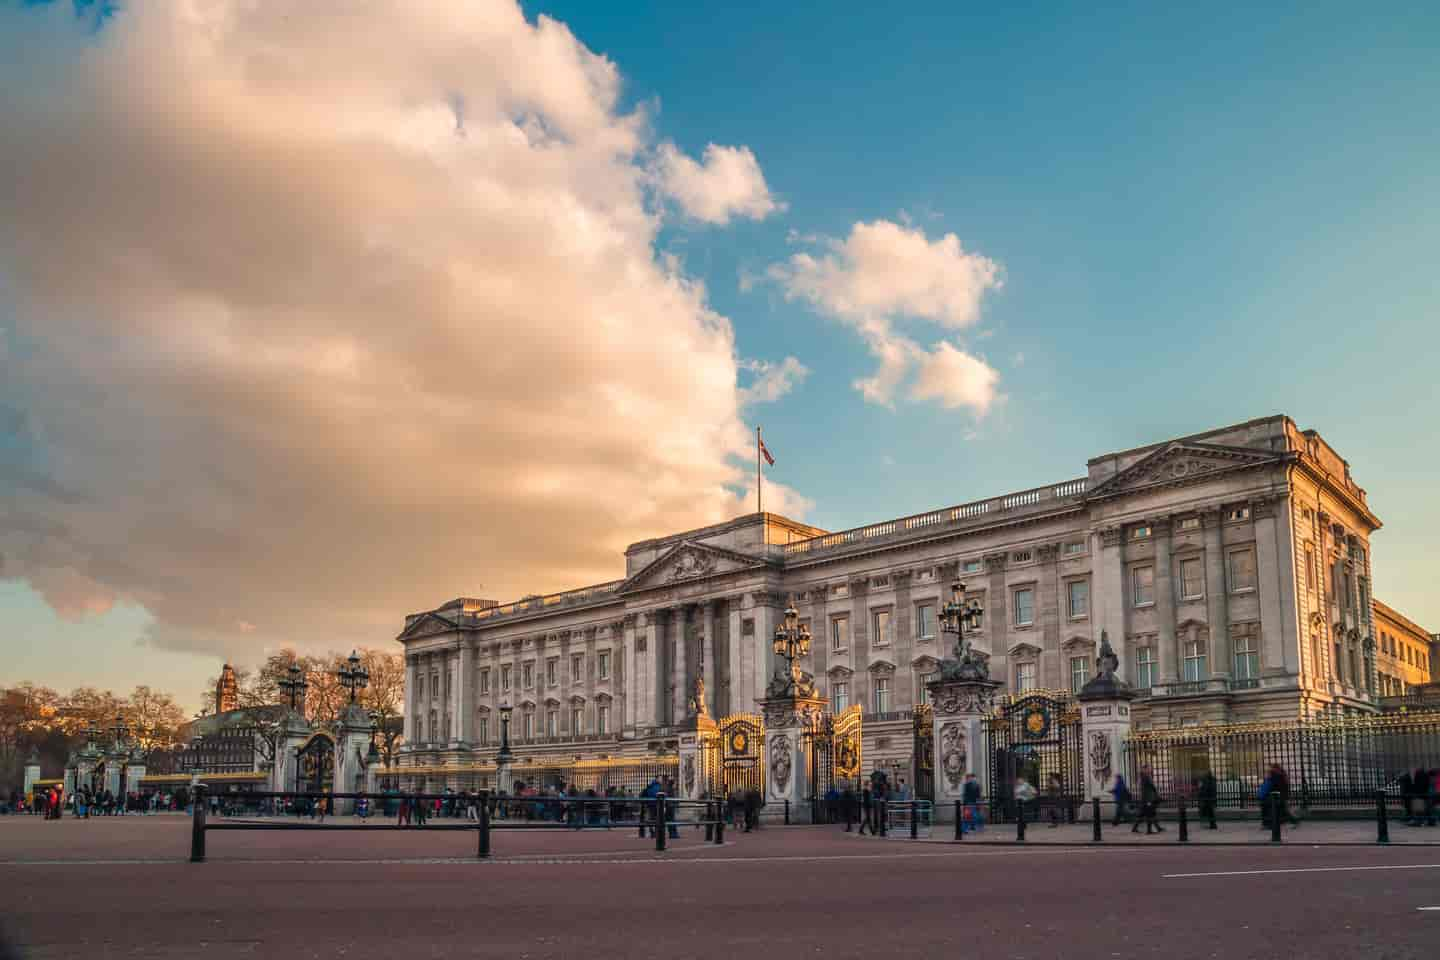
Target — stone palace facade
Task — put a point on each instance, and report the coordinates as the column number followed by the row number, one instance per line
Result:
column 1230, row 570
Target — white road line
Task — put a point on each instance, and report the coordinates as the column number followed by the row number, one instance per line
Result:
column 1255, row 873
column 1427, row 908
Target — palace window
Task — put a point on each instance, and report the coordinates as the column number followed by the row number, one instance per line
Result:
column 419, row 688
column 1025, row 677
column 1309, row 567
column 577, row 721
column 485, row 681
column 552, row 723
column 1242, row 570
column 840, row 633
column 1194, row 664
column 482, row 730
column 1145, row 665
column 552, row 671
column 1239, row 513
column 882, row 694
column 505, row 678
column 1024, row 607
column 527, row 675
column 1079, row 673
column 973, row 566
column 1335, row 662
column 1021, row 556
column 1192, row 579
column 602, row 719
column 1142, row 586
column 839, row 696
column 602, row 664
column 1355, row 678
column 882, row 628
column 1140, row 533
column 1071, row 547
column 922, row 695
column 1247, row 658
column 527, row 725
column 1078, row 598
column 925, row 621
column 1190, row 523
column 577, row 668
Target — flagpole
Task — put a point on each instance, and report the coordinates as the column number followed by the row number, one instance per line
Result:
column 759, row 481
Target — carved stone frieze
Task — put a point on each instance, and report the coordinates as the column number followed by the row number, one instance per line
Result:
column 780, row 762
column 1100, row 758
column 690, row 564
column 963, row 698
column 953, row 753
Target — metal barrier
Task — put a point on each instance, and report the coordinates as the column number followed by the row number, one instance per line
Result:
column 659, row 815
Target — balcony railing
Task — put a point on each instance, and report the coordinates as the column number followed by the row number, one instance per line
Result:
column 886, row 715
column 981, row 509
column 1190, row 688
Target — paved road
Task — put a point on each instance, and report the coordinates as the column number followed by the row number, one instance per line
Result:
column 796, row 892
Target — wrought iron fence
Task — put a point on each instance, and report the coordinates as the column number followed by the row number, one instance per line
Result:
column 1328, row 763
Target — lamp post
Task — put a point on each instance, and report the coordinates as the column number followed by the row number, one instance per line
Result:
column 353, row 675
column 196, row 767
column 119, row 731
column 294, row 685
column 958, row 614
column 504, row 757
column 790, row 643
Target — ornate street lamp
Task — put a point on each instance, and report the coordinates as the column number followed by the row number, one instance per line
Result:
column 504, row 756
column 790, row 643
column 958, row 614
column 294, row 684
column 196, row 767
column 91, row 732
column 120, row 731
column 353, row 675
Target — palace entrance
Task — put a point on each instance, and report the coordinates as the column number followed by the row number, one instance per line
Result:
column 1036, row 736
column 733, row 757
column 315, row 765
column 832, row 747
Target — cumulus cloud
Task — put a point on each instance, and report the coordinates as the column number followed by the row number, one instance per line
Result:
column 884, row 272
column 772, row 380
column 725, row 183
column 317, row 318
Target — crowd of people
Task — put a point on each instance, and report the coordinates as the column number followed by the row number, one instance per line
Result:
column 53, row 801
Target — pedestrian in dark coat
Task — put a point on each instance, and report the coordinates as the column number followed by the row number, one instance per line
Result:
column 1149, row 804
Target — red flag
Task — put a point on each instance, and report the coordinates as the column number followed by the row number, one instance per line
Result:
column 765, row 452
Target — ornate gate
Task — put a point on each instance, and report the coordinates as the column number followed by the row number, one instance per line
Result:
column 315, row 765
column 923, row 739
column 734, row 757
column 1036, row 736
column 832, row 748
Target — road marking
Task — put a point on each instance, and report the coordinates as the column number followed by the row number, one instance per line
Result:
column 1254, row 873
column 1427, row 908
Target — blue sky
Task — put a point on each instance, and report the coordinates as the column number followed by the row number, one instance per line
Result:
column 1199, row 218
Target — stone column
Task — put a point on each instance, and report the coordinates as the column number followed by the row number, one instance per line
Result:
column 411, row 734
column 1113, row 595
column 1217, row 613
column 112, row 773
column 787, row 768
column 465, row 695
column 958, row 711
column 32, row 770
column 352, row 742
column 1165, row 603
column 1268, row 574
column 657, row 680
column 766, row 610
column 708, row 652
column 735, row 679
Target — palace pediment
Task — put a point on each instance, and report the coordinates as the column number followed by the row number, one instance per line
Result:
column 688, row 562
column 1181, row 463
column 427, row 625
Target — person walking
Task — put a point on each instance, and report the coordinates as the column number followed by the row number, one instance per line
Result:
column 970, row 797
column 1053, row 798
column 1206, row 793
column 1121, row 792
column 404, row 815
column 1278, row 798
column 1024, row 794
column 1149, row 804
column 867, row 811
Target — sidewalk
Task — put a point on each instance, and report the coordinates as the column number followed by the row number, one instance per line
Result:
column 1230, row 833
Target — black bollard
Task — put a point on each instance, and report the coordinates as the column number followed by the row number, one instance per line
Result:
column 719, row 826
column 1020, row 821
column 1095, row 823
column 959, row 821
column 1382, row 818
column 914, row 820
column 484, row 852
column 883, row 809
column 709, row 822
column 787, row 813
column 1274, row 816
column 641, row 812
column 661, row 815
column 197, row 825
column 1184, row 836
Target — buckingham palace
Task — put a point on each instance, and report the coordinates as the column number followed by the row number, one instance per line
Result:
column 1230, row 570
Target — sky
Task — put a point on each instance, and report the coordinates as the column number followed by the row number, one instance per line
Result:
column 310, row 319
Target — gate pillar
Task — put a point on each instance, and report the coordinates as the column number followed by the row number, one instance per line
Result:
column 293, row 732
column 1105, row 708
column 788, row 719
column 958, row 711
column 32, row 769
column 350, row 748
column 694, row 778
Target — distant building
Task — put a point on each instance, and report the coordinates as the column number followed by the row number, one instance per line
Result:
column 227, row 691
column 1403, row 655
